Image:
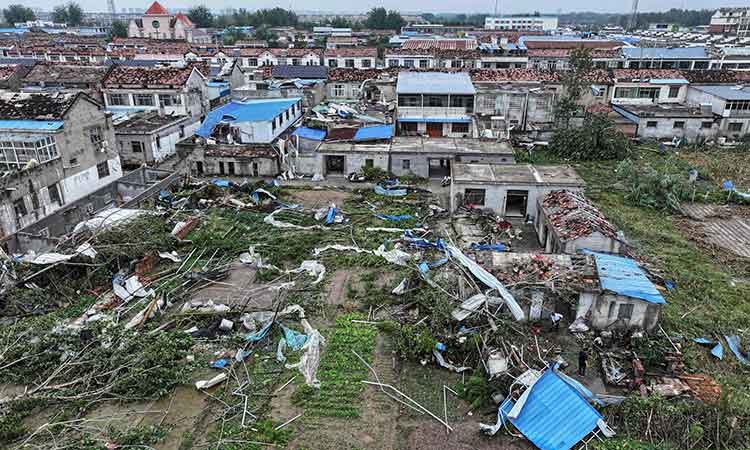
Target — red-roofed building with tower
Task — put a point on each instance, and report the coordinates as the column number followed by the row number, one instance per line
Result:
column 158, row 23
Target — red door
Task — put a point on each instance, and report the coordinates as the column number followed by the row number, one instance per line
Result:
column 435, row 129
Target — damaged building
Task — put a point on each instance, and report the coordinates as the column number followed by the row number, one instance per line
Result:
column 56, row 148
column 67, row 78
column 149, row 138
column 241, row 138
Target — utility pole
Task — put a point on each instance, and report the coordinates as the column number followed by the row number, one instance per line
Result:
column 633, row 15
column 112, row 11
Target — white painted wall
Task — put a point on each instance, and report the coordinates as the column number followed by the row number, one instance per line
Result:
column 86, row 182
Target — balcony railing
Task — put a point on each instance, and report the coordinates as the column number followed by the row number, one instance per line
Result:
column 432, row 112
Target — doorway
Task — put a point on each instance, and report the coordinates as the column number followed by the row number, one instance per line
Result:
column 199, row 167
column 221, row 168
column 256, row 171
column 439, row 168
column 515, row 203
column 334, row 165
column 435, row 129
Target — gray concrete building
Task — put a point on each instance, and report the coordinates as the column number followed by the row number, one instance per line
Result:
column 689, row 123
column 731, row 103
column 148, row 138
column 510, row 190
column 55, row 149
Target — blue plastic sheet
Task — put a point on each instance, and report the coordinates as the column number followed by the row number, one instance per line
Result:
column 219, row 363
column 489, row 247
column 423, row 267
column 421, row 242
column 702, row 340
column 394, row 218
column 294, row 339
column 390, row 192
column 718, row 351
column 331, row 215
column 220, row 183
column 260, row 334
column 733, row 342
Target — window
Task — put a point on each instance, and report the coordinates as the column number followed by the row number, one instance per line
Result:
column 54, row 193
column 338, row 90
column 436, row 100
column 253, row 62
column 333, row 63
column 16, row 153
column 459, row 128
column 408, row 63
column 738, row 105
column 474, row 197
column 369, row 163
column 155, row 24
column 625, row 312
column 392, row 63
column 169, row 100
column 118, row 100
column 457, row 63
column 95, row 135
column 423, row 63
column 366, row 63
column 706, row 125
column 409, row 100
column 20, row 207
column 136, row 146
column 158, row 142
column 295, row 62
column 735, row 127
column 674, row 91
column 182, row 131
column 143, row 99
column 651, row 124
column 273, row 124
column 406, row 164
column 679, row 124
column 102, row 169
column 349, row 63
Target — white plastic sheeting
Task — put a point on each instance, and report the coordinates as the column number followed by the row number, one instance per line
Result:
column 489, row 280
column 271, row 220
column 108, row 218
column 131, row 288
column 472, row 305
column 310, row 360
column 44, row 259
column 394, row 256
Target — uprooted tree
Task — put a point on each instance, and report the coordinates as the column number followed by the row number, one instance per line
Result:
column 582, row 135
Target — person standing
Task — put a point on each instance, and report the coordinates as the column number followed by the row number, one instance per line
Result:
column 583, row 357
column 555, row 318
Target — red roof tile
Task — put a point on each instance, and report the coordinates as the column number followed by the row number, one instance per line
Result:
column 647, row 74
column 356, row 52
column 184, row 19
column 139, row 76
column 156, row 10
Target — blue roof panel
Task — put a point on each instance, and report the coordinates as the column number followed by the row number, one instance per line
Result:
column 249, row 111
column 310, row 133
column 40, row 125
column 623, row 276
column 374, row 133
column 555, row 416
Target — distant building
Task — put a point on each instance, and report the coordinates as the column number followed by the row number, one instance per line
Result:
column 730, row 21
column 158, row 23
column 522, row 23
column 351, row 58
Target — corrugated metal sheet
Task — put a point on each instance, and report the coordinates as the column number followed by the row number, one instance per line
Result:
column 250, row 111
column 623, row 276
column 730, row 234
column 374, row 133
column 555, row 416
column 40, row 125
column 310, row 133
column 434, row 83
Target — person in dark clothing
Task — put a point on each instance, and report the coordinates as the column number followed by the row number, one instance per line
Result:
column 583, row 357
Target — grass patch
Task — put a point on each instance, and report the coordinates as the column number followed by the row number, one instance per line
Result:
column 340, row 372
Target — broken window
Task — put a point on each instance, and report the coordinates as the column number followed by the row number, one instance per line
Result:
column 366, row 63
column 707, row 124
column 102, row 169
column 674, row 91
column 625, row 311
column 158, row 142
column 474, row 197
column 19, row 206
column 169, row 100
column 460, row 128
column 143, row 100
column 406, row 164
column 735, row 127
column 118, row 100
column 54, row 193
column 182, row 131
column 95, row 135
column 679, row 124
column 136, row 146
column 651, row 124
column 409, row 100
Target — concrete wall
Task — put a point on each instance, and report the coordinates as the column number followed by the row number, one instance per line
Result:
column 168, row 138
column 194, row 98
column 264, row 132
column 663, row 96
column 495, row 195
column 400, row 61
column 359, row 62
column 603, row 309
column 665, row 128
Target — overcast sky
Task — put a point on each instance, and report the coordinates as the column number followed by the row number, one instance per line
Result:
column 465, row 6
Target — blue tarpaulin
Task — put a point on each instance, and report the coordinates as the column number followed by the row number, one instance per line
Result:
column 555, row 416
column 623, row 276
column 331, row 215
column 729, row 186
column 294, row 339
column 260, row 334
column 220, row 183
column 310, row 133
column 374, row 133
column 219, row 363
column 734, row 345
column 394, row 218
column 701, row 340
column 45, row 125
column 421, row 242
column 489, row 247
column 718, row 351
column 390, row 192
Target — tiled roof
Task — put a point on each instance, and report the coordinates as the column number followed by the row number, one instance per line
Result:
column 7, row 71
column 35, row 106
column 157, row 76
column 156, row 10
column 490, row 75
column 571, row 44
column 573, row 216
column 66, row 73
column 565, row 52
column 344, row 74
column 440, row 44
column 184, row 19
column 355, row 52
column 435, row 52
column 647, row 74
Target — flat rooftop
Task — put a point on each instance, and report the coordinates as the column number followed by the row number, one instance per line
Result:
column 727, row 92
column 526, row 174
column 417, row 144
column 440, row 83
column 667, row 111
column 147, row 123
